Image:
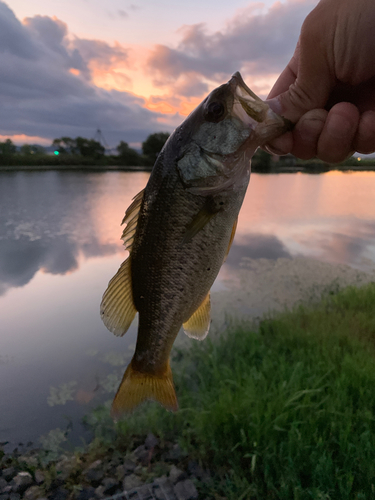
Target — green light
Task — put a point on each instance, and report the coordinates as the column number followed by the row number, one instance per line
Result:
column 56, row 153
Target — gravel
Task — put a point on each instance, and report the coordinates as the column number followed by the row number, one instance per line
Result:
column 150, row 472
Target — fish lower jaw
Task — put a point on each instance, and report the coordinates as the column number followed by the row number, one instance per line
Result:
column 273, row 126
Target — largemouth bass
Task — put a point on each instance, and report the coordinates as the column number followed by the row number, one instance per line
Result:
column 179, row 230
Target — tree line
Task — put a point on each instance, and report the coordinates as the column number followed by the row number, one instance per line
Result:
column 81, row 150
column 89, row 152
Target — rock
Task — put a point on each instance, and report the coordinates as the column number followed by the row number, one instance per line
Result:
column 139, row 470
column 110, row 485
column 176, row 474
column 39, row 477
column 59, row 494
column 14, row 496
column 3, row 484
column 142, row 454
column 9, row 473
column 131, row 482
column 186, row 490
column 99, row 491
column 4, row 496
column 151, row 441
column 142, row 493
column 86, row 493
column 21, row 482
column 163, row 488
column 125, row 469
column 175, row 454
column 94, row 476
column 94, row 465
column 63, row 468
column 33, row 493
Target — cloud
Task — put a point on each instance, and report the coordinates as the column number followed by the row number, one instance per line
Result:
column 256, row 41
column 122, row 13
column 47, row 87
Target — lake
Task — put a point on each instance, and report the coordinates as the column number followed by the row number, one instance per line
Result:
column 60, row 244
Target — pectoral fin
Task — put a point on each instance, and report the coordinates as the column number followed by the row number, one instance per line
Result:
column 117, row 309
column 197, row 224
column 198, row 324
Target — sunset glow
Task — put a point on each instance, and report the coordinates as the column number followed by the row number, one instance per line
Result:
column 133, row 69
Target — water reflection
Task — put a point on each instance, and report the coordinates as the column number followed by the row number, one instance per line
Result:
column 49, row 220
column 256, row 246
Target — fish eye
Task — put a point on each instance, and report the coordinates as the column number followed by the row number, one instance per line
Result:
column 215, row 111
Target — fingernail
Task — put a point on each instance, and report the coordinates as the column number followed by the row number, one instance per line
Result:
column 274, row 151
column 274, row 104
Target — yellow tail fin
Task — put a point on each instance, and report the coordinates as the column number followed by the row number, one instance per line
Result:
column 137, row 387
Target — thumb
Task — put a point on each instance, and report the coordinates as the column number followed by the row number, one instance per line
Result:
column 308, row 79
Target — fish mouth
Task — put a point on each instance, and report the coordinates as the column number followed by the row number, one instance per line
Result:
column 255, row 113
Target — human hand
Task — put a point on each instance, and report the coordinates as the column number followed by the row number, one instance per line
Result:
column 328, row 87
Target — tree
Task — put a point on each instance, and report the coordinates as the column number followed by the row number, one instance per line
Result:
column 127, row 155
column 79, row 146
column 89, row 147
column 31, row 149
column 7, row 148
column 261, row 161
column 65, row 145
column 153, row 145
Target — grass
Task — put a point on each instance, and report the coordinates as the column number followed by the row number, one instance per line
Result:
column 285, row 412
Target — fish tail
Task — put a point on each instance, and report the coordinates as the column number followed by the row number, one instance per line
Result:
column 137, row 387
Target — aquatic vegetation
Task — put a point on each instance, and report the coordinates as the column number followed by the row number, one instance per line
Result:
column 61, row 394
column 52, row 444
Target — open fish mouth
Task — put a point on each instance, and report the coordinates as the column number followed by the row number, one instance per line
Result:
column 255, row 113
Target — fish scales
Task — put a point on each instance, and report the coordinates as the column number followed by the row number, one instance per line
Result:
column 179, row 231
column 165, row 271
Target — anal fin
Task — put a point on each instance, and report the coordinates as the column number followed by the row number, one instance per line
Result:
column 117, row 308
column 137, row 387
column 198, row 324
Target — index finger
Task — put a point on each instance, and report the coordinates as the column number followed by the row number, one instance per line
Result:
column 283, row 83
column 288, row 76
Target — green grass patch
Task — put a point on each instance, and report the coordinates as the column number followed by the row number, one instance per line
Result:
column 284, row 412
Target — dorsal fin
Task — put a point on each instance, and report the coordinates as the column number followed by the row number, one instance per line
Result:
column 198, row 324
column 131, row 220
column 117, row 309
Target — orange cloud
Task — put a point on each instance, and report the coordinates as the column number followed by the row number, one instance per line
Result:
column 20, row 139
column 171, row 105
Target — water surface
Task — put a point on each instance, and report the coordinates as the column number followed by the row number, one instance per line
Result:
column 60, row 245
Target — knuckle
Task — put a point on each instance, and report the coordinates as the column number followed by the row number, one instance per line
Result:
column 299, row 97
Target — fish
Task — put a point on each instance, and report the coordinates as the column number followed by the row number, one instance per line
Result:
column 179, row 230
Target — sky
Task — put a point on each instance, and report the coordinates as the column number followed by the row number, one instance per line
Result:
column 131, row 68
